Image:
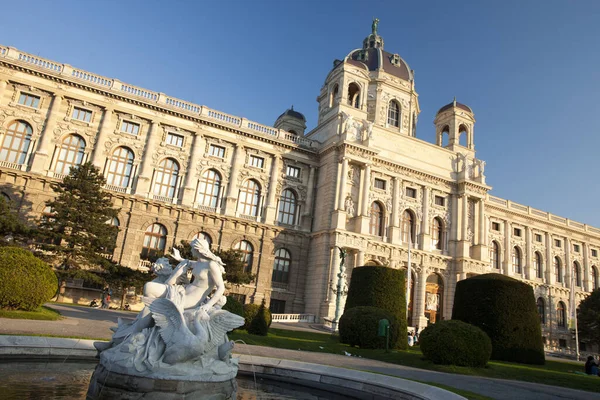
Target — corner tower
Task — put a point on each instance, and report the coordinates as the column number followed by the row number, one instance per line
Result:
column 457, row 121
column 291, row 121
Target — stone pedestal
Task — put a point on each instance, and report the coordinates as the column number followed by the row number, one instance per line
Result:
column 108, row 385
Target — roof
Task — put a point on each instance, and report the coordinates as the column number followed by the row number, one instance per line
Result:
column 376, row 59
column 457, row 105
column 292, row 113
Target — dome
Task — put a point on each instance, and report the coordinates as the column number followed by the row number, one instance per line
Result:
column 290, row 112
column 457, row 105
column 374, row 59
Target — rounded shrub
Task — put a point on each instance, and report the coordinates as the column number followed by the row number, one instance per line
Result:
column 26, row 282
column 506, row 310
column 250, row 311
column 384, row 288
column 359, row 327
column 259, row 324
column 234, row 306
column 455, row 342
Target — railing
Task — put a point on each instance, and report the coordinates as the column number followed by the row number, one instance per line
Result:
column 6, row 164
column 293, row 318
column 249, row 217
column 518, row 207
column 539, row 213
column 164, row 199
column 558, row 219
column 115, row 85
column 60, row 176
column 116, row 188
column 206, row 208
column 144, row 265
column 498, row 200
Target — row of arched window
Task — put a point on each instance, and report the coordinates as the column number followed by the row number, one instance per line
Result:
column 561, row 312
column 155, row 240
column 377, row 224
column 537, row 263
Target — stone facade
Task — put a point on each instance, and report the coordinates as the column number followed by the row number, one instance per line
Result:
column 360, row 180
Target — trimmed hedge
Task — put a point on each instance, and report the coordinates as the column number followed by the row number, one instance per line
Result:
column 506, row 310
column 384, row 288
column 26, row 282
column 234, row 306
column 359, row 327
column 259, row 324
column 250, row 311
column 455, row 342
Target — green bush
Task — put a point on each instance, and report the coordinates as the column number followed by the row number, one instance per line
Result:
column 506, row 310
column 359, row 327
column 26, row 282
column 250, row 311
column 384, row 288
column 234, row 306
column 259, row 324
column 455, row 342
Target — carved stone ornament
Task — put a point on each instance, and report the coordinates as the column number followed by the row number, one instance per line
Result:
column 7, row 116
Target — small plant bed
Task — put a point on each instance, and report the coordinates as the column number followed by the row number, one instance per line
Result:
column 556, row 373
column 42, row 313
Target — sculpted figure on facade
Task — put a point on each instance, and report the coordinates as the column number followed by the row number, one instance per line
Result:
column 182, row 330
column 349, row 206
column 367, row 130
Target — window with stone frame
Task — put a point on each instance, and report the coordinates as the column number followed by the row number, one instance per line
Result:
column 376, row 219
column 287, row 207
column 495, row 255
column 81, row 114
column 411, row 192
column 594, row 277
column 216, row 151
column 437, row 230
column 155, row 240
column 247, row 253
column 541, row 307
column 281, row 266
column 516, row 260
column 16, row 142
column 70, row 154
column 558, row 270
column 292, row 172
column 577, row 274
column 249, row 198
column 257, row 162
column 174, row 139
column 379, row 184
column 408, row 227
column 277, row 306
column 538, row 238
column 129, row 127
column 393, row 114
column 120, row 167
column 209, row 189
column 165, row 178
column 29, row 100
column 561, row 315
column 537, row 264
column 440, row 201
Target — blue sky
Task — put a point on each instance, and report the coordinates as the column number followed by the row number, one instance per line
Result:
column 529, row 69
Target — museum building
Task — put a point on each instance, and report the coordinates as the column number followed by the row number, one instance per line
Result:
column 286, row 198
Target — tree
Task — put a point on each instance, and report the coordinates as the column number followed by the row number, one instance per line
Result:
column 588, row 318
column 259, row 325
column 78, row 230
column 9, row 220
column 123, row 278
column 233, row 260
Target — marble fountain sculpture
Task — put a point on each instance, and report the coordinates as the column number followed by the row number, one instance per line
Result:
column 177, row 347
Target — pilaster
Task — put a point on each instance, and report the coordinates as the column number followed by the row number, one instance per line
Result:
column 395, row 232
column 425, row 239
column 271, row 206
column 189, row 185
column 41, row 158
column 98, row 158
column 364, row 209
column 231, row 199
column 506, row 263
column 145, row 178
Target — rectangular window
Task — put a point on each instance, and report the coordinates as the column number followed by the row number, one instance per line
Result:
column 576, row 248
column 410, row 192
column 29, row 100
column 495, row 226
column 216, row 151
column 439, row 201
column 257, row 162
column 81, row 114
column 175, row 140
column 538, row 237
column 294, row 172
column 130, row 127
column 557, row 242
column 594, row 253
column 379, row 184
column 517, row 232
column 277, row 306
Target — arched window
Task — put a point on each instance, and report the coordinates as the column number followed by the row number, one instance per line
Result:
column 166, row 175
column 445, row 136
column 462, row 135
column 393, row 114
column 495, row 255
column 437, row 230
column 114, row 221
column 408, row 227
column 594, row 277
column 247, row 251
column 541, row 310
column 558, row 269
column 209, row 189
column 16, row 142
column 205, row 236
column 577, row 274
column 155, row 240
column 354, row 95
column 537, row 264
column 70, row 154
column 287, row 207
column 376, row 222
column 516, row 260
column 560, row 314
column 249, row 198
column 281, row 266
column 120, row 167
column 334, row 93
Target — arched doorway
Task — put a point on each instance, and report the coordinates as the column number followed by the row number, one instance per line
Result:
column 434, row 297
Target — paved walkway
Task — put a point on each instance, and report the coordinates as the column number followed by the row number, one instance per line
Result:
column 94, row 322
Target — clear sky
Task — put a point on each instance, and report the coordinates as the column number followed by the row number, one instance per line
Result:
column 529, row 69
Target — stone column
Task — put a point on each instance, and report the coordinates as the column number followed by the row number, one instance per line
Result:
column 271, row 213
column 98, row 158
column 550, row 278
column 587, row 285
column 364, row 211
column 342, row 185
column 41, row 159
column 465, row 217
column 425, row 234
column 190, row 183
column 394, row 223
column 507, row 249
column 147, row 169
column 231, row 199
column 310, row 191
column 360, row 259
column 528, row 271
column 419, row 308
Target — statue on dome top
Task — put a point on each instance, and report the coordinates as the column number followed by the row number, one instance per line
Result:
column 374, row 26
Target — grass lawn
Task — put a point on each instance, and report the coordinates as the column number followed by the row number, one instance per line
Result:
column 43, row 313
column 552, row 373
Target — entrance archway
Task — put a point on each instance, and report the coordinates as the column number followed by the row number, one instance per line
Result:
column 434, row 298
